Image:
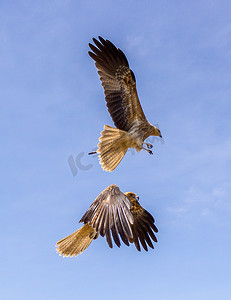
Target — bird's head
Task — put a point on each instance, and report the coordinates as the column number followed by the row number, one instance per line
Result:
column 156, row 131
column 132, row 196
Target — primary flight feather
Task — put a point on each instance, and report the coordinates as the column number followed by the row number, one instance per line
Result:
column 116, row 216
column 119, row 84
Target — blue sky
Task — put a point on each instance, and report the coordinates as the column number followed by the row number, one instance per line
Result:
column 52, row 108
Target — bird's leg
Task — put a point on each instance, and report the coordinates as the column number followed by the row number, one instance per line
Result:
column 149, row 151
column 94, row 152
column 148, row 145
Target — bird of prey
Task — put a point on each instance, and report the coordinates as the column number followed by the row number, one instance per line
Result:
column 119, row 84
column 112, row 214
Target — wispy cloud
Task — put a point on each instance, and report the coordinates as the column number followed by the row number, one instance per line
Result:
column 203, row 201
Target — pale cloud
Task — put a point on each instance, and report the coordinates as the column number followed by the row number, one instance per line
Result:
column 137, row 44
column 177, row 210
column 220, row 40
column 203, row 201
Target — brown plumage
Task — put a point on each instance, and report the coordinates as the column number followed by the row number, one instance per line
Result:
column 115, row 215
column 119, row 84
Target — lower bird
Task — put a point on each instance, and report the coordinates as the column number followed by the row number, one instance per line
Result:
column 112, row 213
column 132, row 127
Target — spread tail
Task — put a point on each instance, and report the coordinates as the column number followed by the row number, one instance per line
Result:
column 112, row 147
column 76, row 242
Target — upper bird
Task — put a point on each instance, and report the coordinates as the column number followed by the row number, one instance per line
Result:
column 116, row 213
column 119, row 84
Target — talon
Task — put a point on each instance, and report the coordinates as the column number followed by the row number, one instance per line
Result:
column 150, row 152
column 149, row 146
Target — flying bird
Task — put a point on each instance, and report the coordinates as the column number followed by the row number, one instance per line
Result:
column 115, row 215
column 119, row 84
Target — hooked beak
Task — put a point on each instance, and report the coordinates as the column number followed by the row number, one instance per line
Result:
column 137, row 198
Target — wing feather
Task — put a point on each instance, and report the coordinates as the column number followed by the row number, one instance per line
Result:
column 118, row 82
column 110, row 213
column 142, row 239
column 143, row 227
column 107, row 228
column 135, row 238
column 115, row 235
column 120, row 229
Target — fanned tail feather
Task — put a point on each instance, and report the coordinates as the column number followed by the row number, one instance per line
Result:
column 76, row 242
column 112, row 147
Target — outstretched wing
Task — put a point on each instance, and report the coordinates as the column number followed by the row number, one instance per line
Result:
column 110, row 213
column 143, row 228
column 119, row 84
